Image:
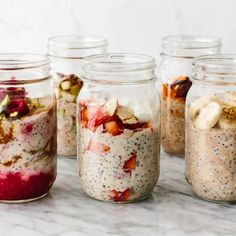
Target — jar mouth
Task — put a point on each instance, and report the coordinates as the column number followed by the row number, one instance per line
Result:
column 190, row 46
column 118, row 62
column 71, row 45
column 219, row 67
column 20, row 61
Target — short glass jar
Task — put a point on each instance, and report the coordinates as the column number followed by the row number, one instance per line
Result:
column 119, row 127
column 174, row 73
column 66, row 54
column 27, row 128
column 211, row 128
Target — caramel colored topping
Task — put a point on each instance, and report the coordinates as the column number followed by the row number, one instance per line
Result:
column 178, row 89
column 6, row 138
column 13, row 161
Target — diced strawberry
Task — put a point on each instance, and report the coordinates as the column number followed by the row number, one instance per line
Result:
column 97, row 147
column 113, row 128
column 130, row 164
column 18, row 105
column 119, row 196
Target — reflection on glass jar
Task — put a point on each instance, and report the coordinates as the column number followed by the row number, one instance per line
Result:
column 27, row 128
column 174, row 72
column 66, row 54
column 119, row 127
column 211, row 128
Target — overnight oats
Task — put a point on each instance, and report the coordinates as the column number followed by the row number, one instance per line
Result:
column 66, row 54
column 27, row 131
column 118, row 132
column 211, row 131
column 175, row 72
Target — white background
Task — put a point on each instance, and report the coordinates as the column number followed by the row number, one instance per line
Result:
column 130, row 25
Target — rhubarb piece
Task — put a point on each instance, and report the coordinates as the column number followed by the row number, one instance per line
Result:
column 67, row 96
column 119, row 196
column 66, row 85
column 110, row 106
column 112, row 128
column 97, row 147
column 130, row 164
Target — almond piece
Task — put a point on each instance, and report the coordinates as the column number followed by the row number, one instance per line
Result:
column 131, row 121
column 110, row 106
column 124, row 113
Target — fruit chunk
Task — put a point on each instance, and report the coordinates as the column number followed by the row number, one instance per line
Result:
column 74, row 90
column 112, row 128
column 97, row 147
column 66, row 85
column 110, row 106
column 18, row 105
column 226, row 123
column 67, row 96
column 119, row 196
column 208, row 116
column 126, row 115
column 130, row 164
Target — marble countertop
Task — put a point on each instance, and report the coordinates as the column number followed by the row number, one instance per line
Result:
column 172, row 210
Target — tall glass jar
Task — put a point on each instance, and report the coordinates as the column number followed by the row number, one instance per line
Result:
column 27, row 128
column 211, row 128
column 118, row 127
column 174, row 73
column 66, row 54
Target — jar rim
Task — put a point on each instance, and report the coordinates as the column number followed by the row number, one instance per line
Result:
column 72, row 43
column 189, row 46
column 215, row 68
column 118, row 62
column 20, row 61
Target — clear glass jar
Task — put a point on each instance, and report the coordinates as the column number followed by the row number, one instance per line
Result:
column 174, row 73
column 119, row 127
column 66, row 54
column 211, row 128
column 27, row 128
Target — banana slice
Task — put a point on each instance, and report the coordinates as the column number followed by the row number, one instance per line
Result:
column 197, row 105
column 208, row 116
column 226, row 123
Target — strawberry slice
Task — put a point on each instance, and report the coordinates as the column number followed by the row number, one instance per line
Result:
column 130, row 164
column 97, row 147
column 119, row 196
column 113, row 128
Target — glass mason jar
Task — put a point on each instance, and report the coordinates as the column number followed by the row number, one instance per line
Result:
column 211, row 128
column 174, row 73
column 66, row 54
column 118, row 127
column 27, row 128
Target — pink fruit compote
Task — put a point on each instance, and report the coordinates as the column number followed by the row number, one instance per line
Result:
column 27, row 145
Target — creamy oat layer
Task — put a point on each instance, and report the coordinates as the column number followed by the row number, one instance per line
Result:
column 101, row 173
column 29, row 143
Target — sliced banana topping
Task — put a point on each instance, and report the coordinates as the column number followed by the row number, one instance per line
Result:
column 208, row 116
column 111, row 106
column 197, row 105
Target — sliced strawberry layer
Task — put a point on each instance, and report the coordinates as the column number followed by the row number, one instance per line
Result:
column 97, row 147
column 119, row 196
column 130, row 164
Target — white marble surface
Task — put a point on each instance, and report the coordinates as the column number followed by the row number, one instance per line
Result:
column 172, row 210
